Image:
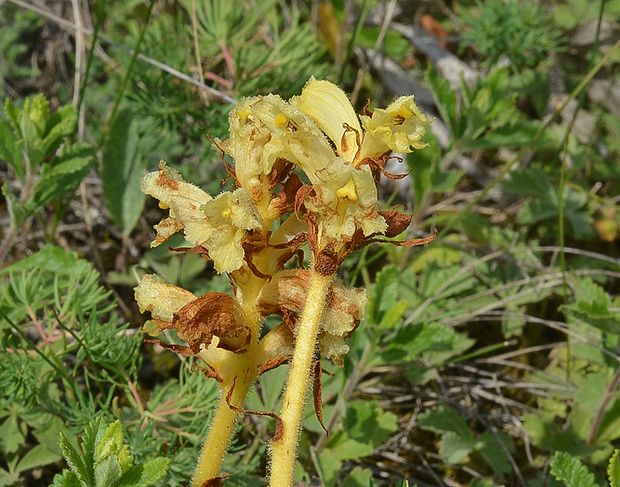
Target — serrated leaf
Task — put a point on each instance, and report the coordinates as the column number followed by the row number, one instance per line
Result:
column 145, row 475
column 59, row 126
column 529, row 182
column 593, row 307
column 112, row 444
column 453, row 448
column 411, row 341
column 121, row 172
column 571, row 471
column 66, row 479
column 11, row 437
column 8, row 478
column 445, row 99
column 359, row 477
column 76, row 462
column 107, row 471
column 367, row 422
column 394, row 314
column 50, row 258
column 613, row 471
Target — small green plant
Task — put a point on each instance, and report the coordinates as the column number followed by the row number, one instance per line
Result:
column 251, row 233
column 105, row 460
column 46, row 167
column 520, row 31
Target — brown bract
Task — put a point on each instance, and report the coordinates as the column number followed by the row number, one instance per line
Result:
column 214, row 314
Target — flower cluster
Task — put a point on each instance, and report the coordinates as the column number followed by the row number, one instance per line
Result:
column 305, row 172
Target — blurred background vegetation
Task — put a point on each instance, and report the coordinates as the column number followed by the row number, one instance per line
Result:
column 481, row 355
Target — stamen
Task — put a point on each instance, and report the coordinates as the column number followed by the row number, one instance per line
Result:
column 226, row 213
column 280, row 120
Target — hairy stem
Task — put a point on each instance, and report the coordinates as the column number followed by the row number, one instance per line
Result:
column 221, row 431
column 284, row 449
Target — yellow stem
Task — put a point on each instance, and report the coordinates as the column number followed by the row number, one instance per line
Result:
column 284, row 450
column 221, row 431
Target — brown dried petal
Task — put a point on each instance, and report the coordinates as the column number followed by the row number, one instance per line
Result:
column 397, row 222
column 214, row 314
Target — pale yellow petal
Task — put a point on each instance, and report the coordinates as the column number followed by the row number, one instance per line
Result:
column 400, row 127
column 183, row 199
column 332, row 111
column 160, row 298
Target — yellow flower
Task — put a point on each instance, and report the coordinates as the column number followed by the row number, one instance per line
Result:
column 227, row 219
column 346, row 199
column 397, row 128
column 219, row 224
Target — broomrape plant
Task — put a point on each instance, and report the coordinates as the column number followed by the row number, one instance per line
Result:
column 306, row 172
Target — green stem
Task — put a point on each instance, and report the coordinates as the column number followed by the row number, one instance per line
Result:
column 284, row 448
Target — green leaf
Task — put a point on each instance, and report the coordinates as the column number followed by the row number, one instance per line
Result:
column 383, row 295
column 111, row 444
column 359, row 477
column 38, row 456
column 77, row 462
column 411, row 341
column 8, row 478
column 66, row 479
column 443, row 181
column 50, row 258
column 60, row 178
column 613, row 472
column 11, row 436
column 9, row 149
column 107, row 471
column 366, row 421
column 593, row 306
column 146, row 474
column 492, row 447
column 59, row 126
column 445, row 99
column 121, row 172
column 454, row 448
column 571, row 471
column 444, row 420
column 529, row 182
column 328, row 467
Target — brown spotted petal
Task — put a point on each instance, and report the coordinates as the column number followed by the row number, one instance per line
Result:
column 344, row 308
